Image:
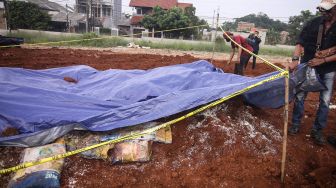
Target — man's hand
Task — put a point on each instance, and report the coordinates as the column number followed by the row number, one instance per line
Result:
column 321, row 54
column 316, row 61
column 228, row 62
column 292, row 66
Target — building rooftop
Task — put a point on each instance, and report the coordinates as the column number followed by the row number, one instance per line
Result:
column 165, row 4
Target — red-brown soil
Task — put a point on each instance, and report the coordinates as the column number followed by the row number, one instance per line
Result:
column 231, row 145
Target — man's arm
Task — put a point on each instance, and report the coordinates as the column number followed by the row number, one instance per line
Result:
column 233, row 51
column 257, row 39
column 295, row 60
column 240, row 50
column 326, row 52
column 319, row 61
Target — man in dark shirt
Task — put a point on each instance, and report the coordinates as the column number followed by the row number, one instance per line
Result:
column 255, row 38
column 308, row 44
column 243, row 57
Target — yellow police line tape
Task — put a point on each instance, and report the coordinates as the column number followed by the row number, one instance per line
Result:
column 148, row 131
column 97, row 38
column 251, row 53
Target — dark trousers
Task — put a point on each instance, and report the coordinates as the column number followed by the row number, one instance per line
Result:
column 254, row 60
column 239, row 67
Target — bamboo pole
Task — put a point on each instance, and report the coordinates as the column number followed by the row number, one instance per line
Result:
column 284, row 145
column 213, row 49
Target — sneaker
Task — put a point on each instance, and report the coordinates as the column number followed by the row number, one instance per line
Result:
column 332, row 140
column 317, row 136
column 294, row 129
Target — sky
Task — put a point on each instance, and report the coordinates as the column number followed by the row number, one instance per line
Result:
column 229, row 9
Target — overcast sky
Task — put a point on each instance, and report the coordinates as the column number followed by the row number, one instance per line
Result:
column 276, row 9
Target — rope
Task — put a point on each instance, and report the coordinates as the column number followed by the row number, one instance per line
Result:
column 98, row 38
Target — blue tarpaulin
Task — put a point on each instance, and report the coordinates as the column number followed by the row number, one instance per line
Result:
column 43, row 106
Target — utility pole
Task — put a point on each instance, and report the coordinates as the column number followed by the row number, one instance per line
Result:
column 213, row 49
column 8, row 26
column 87, row 16
column 67, row 18
column 213, row 19
column 92, row 17
column 112, row 15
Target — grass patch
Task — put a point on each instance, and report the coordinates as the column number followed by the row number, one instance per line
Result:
column 92, row 40
column 276, row 51
column 89, row 39
column 33, row 38
column 184, row 46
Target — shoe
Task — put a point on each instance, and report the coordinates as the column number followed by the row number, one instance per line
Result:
column 317, row 136
column 294, row 129
column 332, row 140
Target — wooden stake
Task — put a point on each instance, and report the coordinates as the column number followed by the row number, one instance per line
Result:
column 284, row 145
column 213, row 49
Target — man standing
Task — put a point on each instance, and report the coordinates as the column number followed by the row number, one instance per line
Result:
column 243, row 57
column 255, row 39
column 318, row 34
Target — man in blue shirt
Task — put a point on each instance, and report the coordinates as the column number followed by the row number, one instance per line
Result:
column 255, row 39
column 309, row 45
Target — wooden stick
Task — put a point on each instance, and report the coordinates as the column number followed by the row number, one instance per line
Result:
column 213, row 49
column 284, row 145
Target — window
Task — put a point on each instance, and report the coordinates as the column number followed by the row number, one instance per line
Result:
column 139, row 11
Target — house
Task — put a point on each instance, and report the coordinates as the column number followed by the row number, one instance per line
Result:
column 62, row 18
column 3, row 23
column 245, row 26
column 145, row 7
column 101, row 13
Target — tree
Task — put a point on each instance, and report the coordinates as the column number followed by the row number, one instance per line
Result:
column 229, row 26
column 260, row 20
column 172, row 19
column 296, row 24
column 24, row 15
column 273, row 37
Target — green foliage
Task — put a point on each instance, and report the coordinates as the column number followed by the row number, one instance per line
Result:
column 89, row 35
column 75, row 40
column 276, row 51
column 272, row 37
column 172, row 19
column 263, row 21
column 260, row 20
column 106, row 42
column 105, row 31
column 185, row 46
column 230, row 26
column 296, row 24
column 24, row 15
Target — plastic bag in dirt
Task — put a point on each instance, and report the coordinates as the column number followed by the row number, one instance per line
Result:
column 132, row 151
column 79, row 140
column 312, row 82
column 42, row 175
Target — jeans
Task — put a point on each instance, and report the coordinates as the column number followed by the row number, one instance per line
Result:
column 322, row 112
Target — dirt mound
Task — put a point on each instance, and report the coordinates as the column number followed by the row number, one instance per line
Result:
column 229, row 145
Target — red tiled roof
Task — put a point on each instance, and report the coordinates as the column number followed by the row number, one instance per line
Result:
column 165, row 4
column 184, row 5
column 136, row 19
